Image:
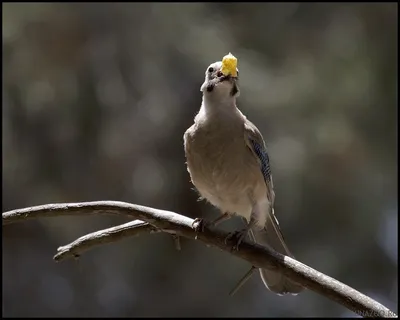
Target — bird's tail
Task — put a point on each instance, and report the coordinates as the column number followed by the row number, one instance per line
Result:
column 271, row 236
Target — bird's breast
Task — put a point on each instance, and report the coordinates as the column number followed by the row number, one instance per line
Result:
column 215, row 156
column 222, row 169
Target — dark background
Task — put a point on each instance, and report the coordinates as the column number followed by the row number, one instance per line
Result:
column 96, row 98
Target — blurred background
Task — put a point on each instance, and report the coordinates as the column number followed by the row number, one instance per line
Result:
column 96, row 98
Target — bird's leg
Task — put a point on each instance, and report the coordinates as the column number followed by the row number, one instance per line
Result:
column 222, row 218
column 201, row 223
column 240, row 235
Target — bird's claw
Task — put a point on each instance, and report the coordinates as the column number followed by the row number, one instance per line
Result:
column 238, row 236
column 198, row 224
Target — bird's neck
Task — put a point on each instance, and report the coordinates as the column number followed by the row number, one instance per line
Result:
column 215, row 106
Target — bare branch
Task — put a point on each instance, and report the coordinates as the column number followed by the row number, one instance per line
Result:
column 256, row 255
column 110, row 235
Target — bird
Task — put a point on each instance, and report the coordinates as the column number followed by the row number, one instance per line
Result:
column 228, row 164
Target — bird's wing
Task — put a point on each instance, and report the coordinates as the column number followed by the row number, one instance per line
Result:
column 256, row 144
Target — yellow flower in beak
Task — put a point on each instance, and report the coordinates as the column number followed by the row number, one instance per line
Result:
column 229, row 65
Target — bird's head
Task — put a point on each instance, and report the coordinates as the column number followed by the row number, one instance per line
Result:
column 221, row 79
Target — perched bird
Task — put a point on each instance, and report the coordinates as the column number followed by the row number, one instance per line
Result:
column 228, row 164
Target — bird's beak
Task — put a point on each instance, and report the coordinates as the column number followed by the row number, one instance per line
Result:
column 225, row 78
column 228, row 78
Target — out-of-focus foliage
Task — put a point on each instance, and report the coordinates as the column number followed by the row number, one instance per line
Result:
column 96, row 98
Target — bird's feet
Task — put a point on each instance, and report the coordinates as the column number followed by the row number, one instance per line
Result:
column 239, row 236
column 199, row 224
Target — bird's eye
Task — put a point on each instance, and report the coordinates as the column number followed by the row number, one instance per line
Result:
column 210, row 69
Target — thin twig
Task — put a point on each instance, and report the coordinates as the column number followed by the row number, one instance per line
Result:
column 258, row 256
column 242, row 281
column 110, row 235
column 177, row 242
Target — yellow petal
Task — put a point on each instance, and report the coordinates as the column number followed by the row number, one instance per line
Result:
column 229, row 65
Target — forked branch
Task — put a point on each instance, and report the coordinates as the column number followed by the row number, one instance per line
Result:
column 178, row 225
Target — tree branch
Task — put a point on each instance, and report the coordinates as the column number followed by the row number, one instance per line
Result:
column 173, row 223
column 110, row 235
